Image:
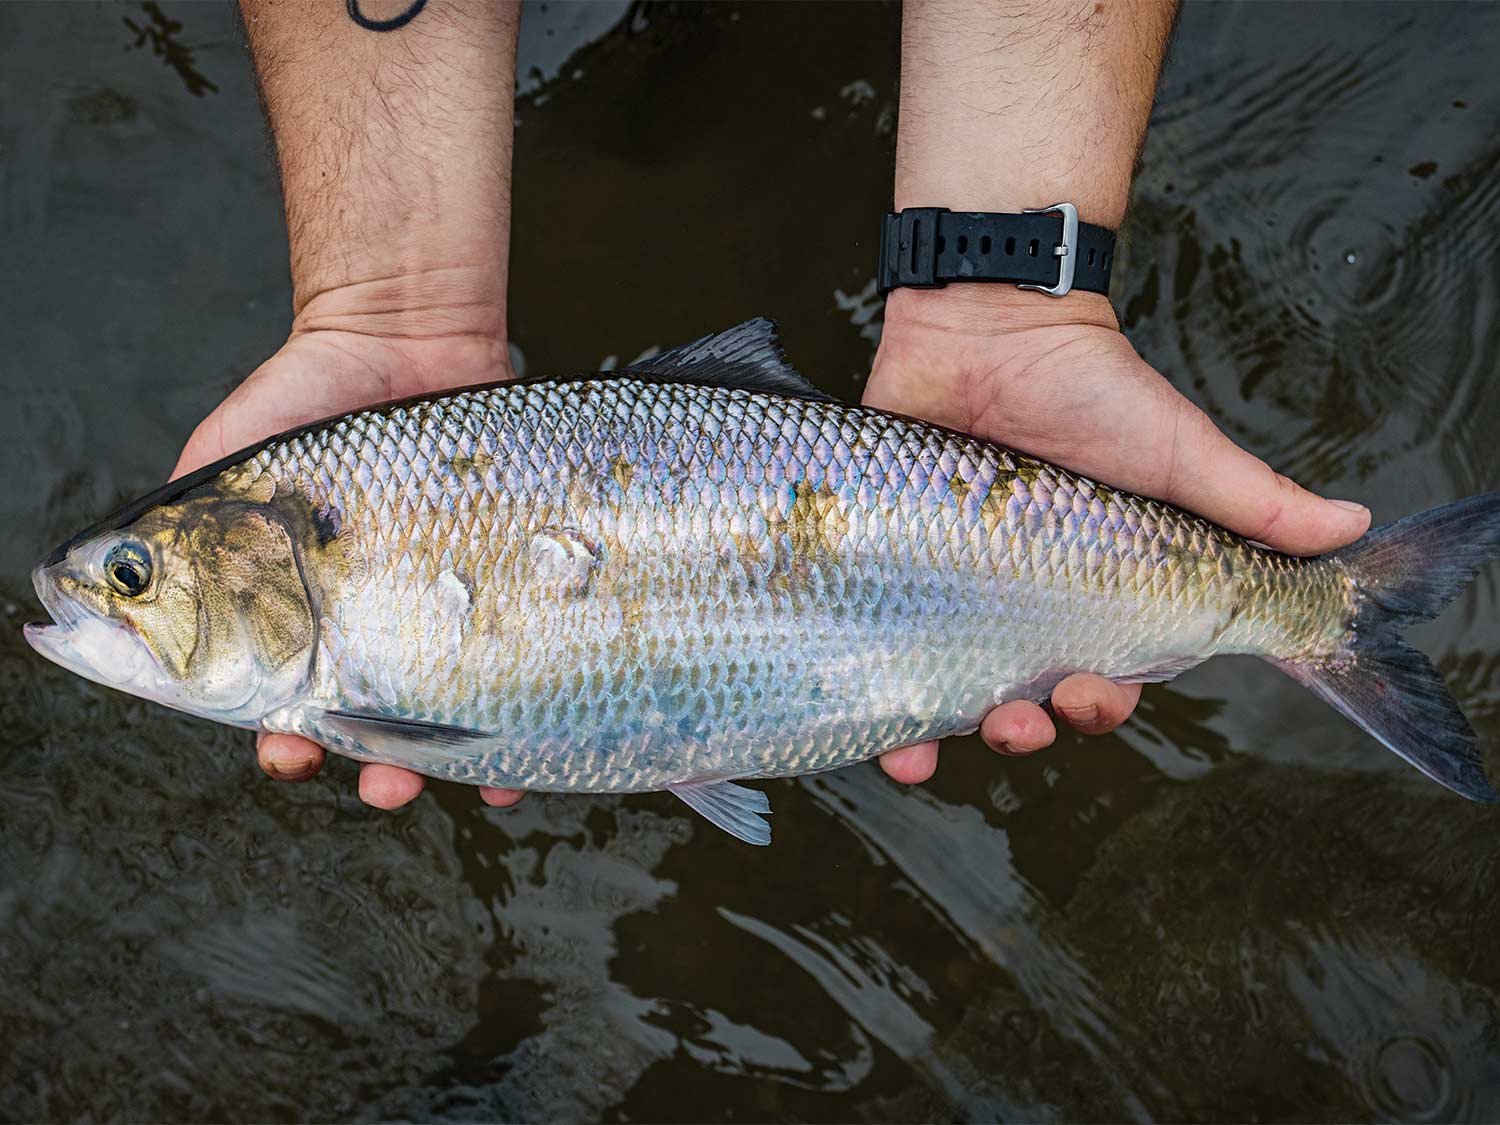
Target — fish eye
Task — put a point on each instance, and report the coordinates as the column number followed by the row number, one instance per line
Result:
column 128, row 568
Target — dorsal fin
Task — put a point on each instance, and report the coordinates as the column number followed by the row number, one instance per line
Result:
column 747, row 356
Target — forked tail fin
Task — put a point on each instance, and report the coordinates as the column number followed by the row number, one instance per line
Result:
column 1408, row 572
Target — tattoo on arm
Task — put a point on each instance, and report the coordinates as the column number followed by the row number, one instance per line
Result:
column 399, row 20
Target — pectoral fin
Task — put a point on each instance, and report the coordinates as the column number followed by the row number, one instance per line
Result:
column 400, row 742
column 734, row 808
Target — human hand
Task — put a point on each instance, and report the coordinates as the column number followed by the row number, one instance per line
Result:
column 1056, row 379
column 334, row 363
column 393, row 142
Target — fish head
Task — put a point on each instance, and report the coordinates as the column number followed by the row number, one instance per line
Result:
column 198, row 604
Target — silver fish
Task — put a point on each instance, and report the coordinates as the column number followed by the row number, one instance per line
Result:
column 702, row 570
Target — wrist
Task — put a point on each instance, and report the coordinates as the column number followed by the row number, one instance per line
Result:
column 415, row 304
column 983, row 309
column 364, row 268
column 441, row 328
column 959, row 356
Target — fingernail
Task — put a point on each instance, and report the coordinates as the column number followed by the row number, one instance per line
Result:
column 1350, row 506
column 295, row 770
column 1087, row 714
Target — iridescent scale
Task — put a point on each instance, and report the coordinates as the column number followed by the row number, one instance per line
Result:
column 627, row 583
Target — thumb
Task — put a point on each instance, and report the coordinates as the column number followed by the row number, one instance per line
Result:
column 1215, row 478
column 203, row 447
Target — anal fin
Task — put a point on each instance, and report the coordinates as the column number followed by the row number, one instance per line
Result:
column 734, row 808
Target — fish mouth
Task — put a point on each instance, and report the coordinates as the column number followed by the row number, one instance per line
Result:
column 85, row 644
column 55, row 642
column 64, row 646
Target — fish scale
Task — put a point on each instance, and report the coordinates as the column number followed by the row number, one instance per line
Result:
column 775, row 585
column 703, row 570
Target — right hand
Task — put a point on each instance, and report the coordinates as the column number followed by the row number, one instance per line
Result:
column 1059, row 381
column 322, row 372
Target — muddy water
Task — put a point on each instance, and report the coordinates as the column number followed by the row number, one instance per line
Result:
column 1238, row 907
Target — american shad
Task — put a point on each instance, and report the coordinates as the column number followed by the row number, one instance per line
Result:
column 700, row 570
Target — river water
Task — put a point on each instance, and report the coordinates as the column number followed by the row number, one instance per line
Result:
column 1238, row 907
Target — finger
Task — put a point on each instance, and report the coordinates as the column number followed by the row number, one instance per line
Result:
column 499, row 798
column 288, row 757
column 911, row 765
column 1218, row 480
column 388, row 787
column 1093, row 704
column 1017, row 728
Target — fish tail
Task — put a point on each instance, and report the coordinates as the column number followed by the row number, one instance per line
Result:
column 1405, row 573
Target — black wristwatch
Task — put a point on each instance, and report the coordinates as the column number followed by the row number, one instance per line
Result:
column 1046, row 249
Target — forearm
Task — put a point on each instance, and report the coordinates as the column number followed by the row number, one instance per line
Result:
column 395, row 152
column 1009, row 104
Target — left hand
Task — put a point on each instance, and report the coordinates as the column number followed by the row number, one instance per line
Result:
column 1056, row 379
column 325, row 369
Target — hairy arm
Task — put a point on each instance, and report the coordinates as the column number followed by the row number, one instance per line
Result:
column 1007, row 104
column 1012, row 104
column 394, row 148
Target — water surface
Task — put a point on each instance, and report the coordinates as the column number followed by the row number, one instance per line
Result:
column 1238, row 907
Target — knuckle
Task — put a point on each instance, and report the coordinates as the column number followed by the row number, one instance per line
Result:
column 1281, row 496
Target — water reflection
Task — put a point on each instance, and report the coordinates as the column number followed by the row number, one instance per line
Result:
column 1411, row 1042
column 1316, row 263
column 161, row 32
column 960, row 866
column 866, row 983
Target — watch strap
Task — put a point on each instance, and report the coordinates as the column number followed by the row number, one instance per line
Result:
column 927, row 247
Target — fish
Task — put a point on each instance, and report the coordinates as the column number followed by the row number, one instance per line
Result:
column 699, row 571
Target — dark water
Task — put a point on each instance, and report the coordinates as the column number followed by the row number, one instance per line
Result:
column 1237, row 908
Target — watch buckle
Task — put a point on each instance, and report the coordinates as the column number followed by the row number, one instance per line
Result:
column 1066, row 251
